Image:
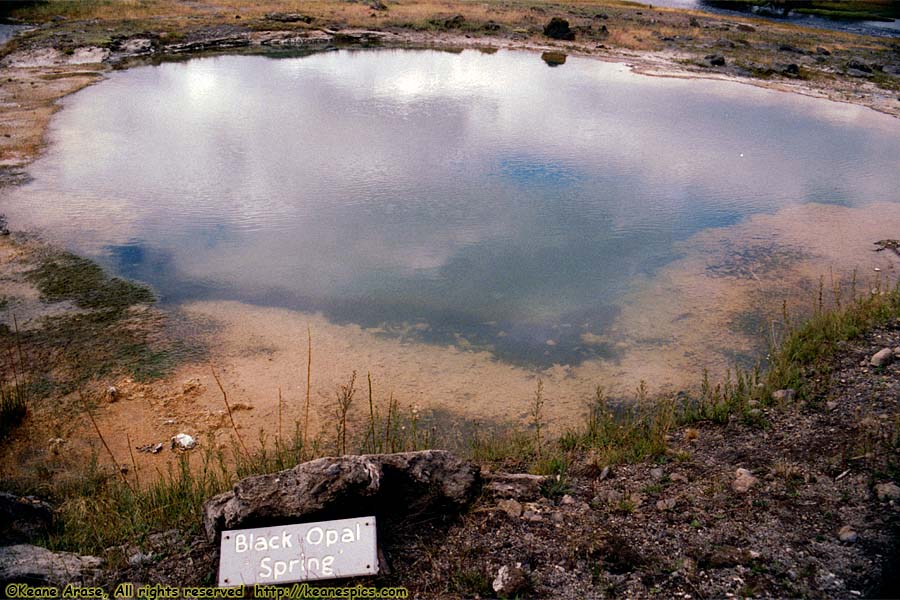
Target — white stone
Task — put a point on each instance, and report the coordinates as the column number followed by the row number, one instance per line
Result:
column 183, row 441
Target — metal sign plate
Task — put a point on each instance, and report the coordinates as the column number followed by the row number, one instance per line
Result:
column 301, row 552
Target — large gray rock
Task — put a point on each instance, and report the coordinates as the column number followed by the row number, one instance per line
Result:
column 393, row 487
column 24, row 563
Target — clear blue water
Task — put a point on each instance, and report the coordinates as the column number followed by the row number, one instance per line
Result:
column 474, row 195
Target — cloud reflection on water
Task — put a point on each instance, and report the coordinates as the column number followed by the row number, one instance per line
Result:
column 484, row 195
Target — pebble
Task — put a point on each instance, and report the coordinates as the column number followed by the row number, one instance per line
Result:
column 882, row 358
column 787, row 395
column 667, row 504
column 139, row 558
column 887, row 491
column 847, row 534
column 567, row 500
column 612, row 496
column 657, row 473
column 511, row 507
column 510, row 581
column 743, row 481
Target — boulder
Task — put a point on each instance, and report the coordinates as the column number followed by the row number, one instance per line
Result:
column 393, row 487
column 34, row 565
column 558, row 29
column 22, row 518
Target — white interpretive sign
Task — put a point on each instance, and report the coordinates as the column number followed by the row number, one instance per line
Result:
column 301, row 552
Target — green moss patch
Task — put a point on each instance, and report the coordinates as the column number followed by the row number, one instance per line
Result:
column 65, row 276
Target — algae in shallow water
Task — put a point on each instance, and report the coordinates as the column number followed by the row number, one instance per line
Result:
column 104, row 339
column 68, row 277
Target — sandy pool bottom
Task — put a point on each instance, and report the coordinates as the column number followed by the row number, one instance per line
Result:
column 706, row 310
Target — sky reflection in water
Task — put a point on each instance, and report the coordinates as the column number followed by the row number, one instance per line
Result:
column 465, row 198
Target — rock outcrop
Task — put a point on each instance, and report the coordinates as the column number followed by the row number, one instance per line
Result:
column 393, row 487
column 518, row 486
column 24, row 563
column 22, row 518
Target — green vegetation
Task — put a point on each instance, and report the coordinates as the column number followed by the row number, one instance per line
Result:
column 472, row 583
column 13, row 404
column 14, row 392
column 13, row 408
column 64, row 276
